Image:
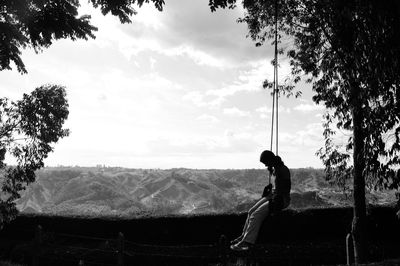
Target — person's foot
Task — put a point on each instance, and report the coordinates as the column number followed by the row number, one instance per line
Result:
column 241, row 246
column 237, row 240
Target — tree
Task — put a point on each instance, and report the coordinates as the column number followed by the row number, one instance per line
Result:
column 350, row 51
column 37, row 23
column 28, row 128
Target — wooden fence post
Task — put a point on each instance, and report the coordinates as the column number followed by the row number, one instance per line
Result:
column 121, row 249
column 223, row 249
column 37, row 247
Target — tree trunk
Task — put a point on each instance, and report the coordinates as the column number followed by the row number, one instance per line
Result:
column 359, row 214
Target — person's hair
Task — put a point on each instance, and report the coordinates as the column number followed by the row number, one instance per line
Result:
column 269, row 156
column 278, row 160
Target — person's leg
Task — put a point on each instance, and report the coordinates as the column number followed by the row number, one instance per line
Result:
column 246, row 224
column 250, row 212
column 255, row 221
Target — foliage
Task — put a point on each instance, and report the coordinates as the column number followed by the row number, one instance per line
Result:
column 28, row 128
column 338, row 169
column 339, row 45
column 37, row 23
column 370, row 59
column 350, row 52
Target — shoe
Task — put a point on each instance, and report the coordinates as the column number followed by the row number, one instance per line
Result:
column 241, row 246
column 237, row 240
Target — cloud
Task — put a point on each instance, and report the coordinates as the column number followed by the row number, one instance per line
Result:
column 218, row 33
column 182, row 87
column 249, row 80
column 310, row 136
column 208, row 119
column 266, row 111
column 306, row 107
column 102, row 97
column 187, row 27
column 234, row 111
column 152, row 62
column 198, row 56
column 231, row 90
column 201, row 100
column 195, row 145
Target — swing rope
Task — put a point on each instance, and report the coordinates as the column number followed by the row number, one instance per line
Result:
column 276, row 73
column 275, row 93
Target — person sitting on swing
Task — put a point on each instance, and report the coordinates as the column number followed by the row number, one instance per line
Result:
column 270, row 202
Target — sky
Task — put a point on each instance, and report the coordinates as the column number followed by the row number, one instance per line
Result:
column 178, row 88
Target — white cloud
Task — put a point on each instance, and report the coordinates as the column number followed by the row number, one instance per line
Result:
column 195, row 97
column 198, row 56
column 169, row 90
column 310, row 136
column 234, row 111
column 192, row 145
column 150, row 31
column 152, row 63
column 266, row 111
column 307, row 107
column 249, row 80
column 208, row 118
column 231, row 90
column 147, row 16
column 201, row 100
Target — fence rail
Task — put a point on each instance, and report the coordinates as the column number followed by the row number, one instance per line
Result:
column 46, row 243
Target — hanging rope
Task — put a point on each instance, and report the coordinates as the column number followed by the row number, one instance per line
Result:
column 273, row 113
column 275, row 92
column 276, row 74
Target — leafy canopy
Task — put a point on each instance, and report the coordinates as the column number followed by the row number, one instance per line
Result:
column 28, row 129
column 37, row 23
column 350, row 51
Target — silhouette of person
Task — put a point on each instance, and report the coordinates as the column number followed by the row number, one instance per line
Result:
column 271, row 201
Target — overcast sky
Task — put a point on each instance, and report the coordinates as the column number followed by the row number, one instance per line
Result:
column 180, row 88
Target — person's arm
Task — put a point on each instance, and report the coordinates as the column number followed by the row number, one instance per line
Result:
column 268, row 188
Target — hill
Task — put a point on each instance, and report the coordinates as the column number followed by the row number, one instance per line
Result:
column 98, row 191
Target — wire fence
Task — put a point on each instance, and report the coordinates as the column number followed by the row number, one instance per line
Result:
column 75, row 249
column 53, row 248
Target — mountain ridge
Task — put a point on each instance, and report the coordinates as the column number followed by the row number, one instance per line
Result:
column 135, row 192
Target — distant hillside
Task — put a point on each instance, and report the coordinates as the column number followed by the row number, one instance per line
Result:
column 138, row 192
